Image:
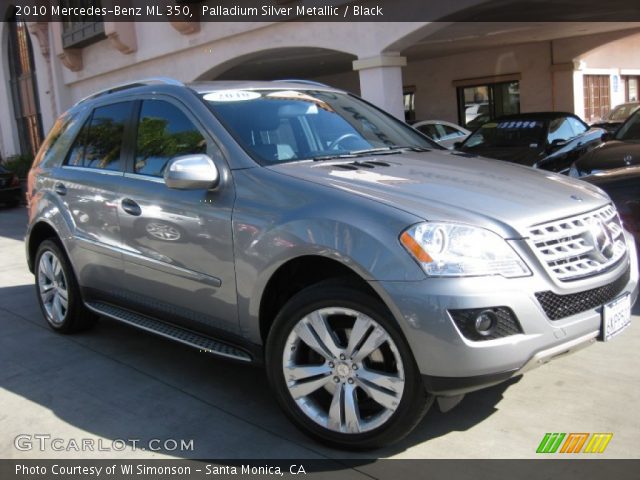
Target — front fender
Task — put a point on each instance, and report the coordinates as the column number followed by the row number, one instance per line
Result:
column 276, row 220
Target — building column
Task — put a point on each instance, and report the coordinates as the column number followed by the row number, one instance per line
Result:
column 381, row 81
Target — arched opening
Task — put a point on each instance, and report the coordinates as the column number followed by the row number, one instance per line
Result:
column 23, row 83
column 320, row 64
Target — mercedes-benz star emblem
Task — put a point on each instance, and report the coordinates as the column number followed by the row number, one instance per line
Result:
column 627, row 159
column 602, row 241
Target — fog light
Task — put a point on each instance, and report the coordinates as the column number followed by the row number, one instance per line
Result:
column 489, row 323
column 486, row 322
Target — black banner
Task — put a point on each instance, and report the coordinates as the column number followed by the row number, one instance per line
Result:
column 325, row 10
column 569, row 469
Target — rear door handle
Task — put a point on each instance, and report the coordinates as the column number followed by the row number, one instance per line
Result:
column 131, row 207
column 60, row 189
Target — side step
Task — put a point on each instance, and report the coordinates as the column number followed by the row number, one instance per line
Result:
column 171, row 332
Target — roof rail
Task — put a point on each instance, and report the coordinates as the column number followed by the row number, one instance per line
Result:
column 133, row 84
column 306, row 82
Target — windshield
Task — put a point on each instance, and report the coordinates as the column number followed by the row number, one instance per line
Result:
column 508, row 133
column 630, row 130
column 622, row 112
column 287, row 125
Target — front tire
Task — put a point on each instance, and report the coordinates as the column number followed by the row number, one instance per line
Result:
column 342, row 370
column 58, row 292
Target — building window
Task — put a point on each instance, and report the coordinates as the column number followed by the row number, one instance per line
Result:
column 479, row 103
column 80, row 31
column 409, row 99
column 597, row 100
column 24, row 87
column 631, row 88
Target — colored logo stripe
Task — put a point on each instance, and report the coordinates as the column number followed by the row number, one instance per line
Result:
column 598, row 442
column 574, row 442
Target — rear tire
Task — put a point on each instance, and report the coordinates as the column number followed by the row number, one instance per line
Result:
column 342, row 370
column 57, row 291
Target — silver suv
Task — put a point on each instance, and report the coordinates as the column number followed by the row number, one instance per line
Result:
column 297, row 226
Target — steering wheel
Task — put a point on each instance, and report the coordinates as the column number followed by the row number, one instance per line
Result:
column 342, row 138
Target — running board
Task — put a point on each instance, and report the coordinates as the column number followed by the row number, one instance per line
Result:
column 171, row 332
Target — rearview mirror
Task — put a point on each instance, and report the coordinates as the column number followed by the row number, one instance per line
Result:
column 191, row 172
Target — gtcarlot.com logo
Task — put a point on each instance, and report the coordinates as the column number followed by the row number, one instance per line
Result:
column 45, row 442
column 574, row 442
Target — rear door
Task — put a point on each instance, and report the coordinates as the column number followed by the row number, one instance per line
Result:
column 88, row 184
column 178, row 250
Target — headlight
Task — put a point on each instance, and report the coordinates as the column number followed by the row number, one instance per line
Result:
column 452, row 250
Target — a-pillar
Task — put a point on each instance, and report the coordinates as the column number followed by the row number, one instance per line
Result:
column 381, row 82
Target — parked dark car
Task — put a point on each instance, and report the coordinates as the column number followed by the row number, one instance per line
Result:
column 622, row 151
column 617, row 116
column 10, row 191
column 547, row 140
column 623, row 186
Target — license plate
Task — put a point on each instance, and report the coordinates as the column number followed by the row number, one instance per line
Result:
column 616, row 316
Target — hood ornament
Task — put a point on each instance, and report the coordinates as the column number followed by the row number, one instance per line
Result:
column 577, row 198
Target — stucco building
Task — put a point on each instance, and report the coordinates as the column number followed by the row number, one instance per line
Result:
column 449, row 71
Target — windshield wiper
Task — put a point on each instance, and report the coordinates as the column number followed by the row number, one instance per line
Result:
column 335, row 156
column 392, row 150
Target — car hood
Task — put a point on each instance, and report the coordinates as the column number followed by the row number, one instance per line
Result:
column 450, row 186
column 613, row 154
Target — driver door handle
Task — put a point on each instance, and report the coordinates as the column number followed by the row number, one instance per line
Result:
column 131, row 207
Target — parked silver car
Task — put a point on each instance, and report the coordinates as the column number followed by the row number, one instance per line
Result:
column 297, row 226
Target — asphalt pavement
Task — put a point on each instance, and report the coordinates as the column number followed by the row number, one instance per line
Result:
column 114, row 386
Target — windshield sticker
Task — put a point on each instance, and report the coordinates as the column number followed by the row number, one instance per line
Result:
column 490, row 125
column 231, row 96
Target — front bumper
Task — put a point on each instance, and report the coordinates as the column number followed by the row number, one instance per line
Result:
column 452, row 364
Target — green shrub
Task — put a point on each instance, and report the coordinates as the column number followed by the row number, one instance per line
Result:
column 19, row 164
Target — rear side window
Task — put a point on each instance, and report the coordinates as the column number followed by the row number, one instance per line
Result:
column 164, row 132
column 58, row 140
column 99, row 143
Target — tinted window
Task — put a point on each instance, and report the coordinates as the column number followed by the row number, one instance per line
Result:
column 164, row 132
column 284, row 125
column 508, row 133
column 577, row 126
column 104, row 140
column 429, row 130
column 560, row 129
column 99, row 143
column 57, row 141
column 630, row 130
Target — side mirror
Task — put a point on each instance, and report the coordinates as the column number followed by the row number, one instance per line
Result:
column 606, row 136
column 556, row 143
column 191, row 172
column 457, row 145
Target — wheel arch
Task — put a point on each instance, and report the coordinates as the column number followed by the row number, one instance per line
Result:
column 301, row 272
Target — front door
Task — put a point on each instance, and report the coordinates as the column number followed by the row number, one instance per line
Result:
column 178, row 250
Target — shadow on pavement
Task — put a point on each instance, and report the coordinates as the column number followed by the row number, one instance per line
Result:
column 118, row 383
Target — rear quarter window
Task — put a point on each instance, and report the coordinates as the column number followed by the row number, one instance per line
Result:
column 60, row 137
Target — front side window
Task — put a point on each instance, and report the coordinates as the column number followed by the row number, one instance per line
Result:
column 630, row 130
column 286, row 125
column 164, row 132
column 99, row 143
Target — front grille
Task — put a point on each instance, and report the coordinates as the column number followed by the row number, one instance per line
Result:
column 580, row 246
column 562, row 306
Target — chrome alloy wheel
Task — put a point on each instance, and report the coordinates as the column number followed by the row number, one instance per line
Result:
column 343, row 370
column 52, row 286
